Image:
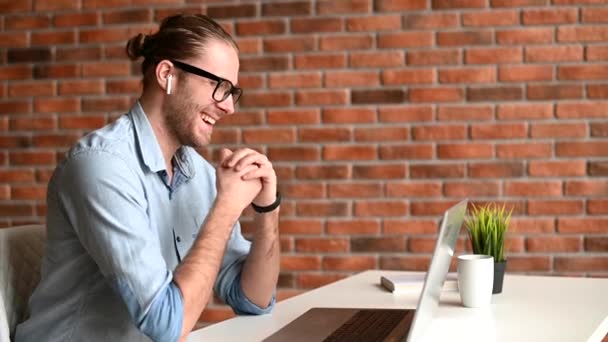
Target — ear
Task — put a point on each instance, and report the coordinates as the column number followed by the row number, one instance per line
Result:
column 164, row 75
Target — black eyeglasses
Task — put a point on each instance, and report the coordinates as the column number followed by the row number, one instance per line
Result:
column 223, row 89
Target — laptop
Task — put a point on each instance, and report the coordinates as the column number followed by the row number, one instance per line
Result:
column 352, row 324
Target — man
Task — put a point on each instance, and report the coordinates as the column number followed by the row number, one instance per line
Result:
column 141, row 229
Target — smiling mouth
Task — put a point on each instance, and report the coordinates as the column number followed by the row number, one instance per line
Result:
column 208, row 119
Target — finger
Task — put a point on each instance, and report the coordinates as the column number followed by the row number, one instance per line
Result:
column 267, row 174
column 257, row 158
column 224, row 154
column 238, row 155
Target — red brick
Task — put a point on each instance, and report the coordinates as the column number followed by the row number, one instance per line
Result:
column 16, row 210
column 32, row 88
column 226, row 136
column 558, row 130
column 555, row 207
column 354, row 190
column 81, row 53
column 56, row 71
column 29, row 192
column 291, row 44
column 479, row 37
column 430, row 208
column 413, row 189
column 161, row 13
column 465, row 151
column 343, row 7
column 54, row 140
column 531, row 225
column 13, row 141
column 26, row 22
column 465, row 113
column 286, row 8
column 321, row 97
column 597, row 91
column 468, row 75
column 416, row 226
column 33, row 123
column 593, row 33
column 88, row 122
column 599, row 129
column 405, row 263
column 104, row 35
column 434, row 57
column 349, row 115
column 582, row 225
column 349, row 263
column 424, row 21
column 342, row 42
column 596, row 53
column 260, row 27
column 588, row 263
column 496, row 170
column 15, row 175
column 266, row 99
column 522, row 73
column 294, row 80
column 15, row 6
column 443, row 132
column 550, row 16
column 554, row 91
column 373, row 23
column 378, row 96
column 300, row 262
column 497, row 93
column 525, row 36
column 352, row 227
column 529, row 263
column 61, row 105
column 13, row 39
column 582, row 149
column 382, row 134
column 596, row 244
column 316, row 25
column 597, row 206
column 405, row 40
column 566, row 53
column 384, row 171
column 357, row 152
column 127, row 16
column 597, row 168
column 231, row 11
column 322, row 61
column 266, row 63
column 437, row 171
column 471, row 189
column 331, row 245
column 324, row 134
column 41, row 5
column 405, row 114
column 105, row 69
column 294, row 153
column 410, row 151
column 408, row 76
column 249, row 45
column 266, row 136
column 399, row 5
column 557, row 168
column 493, row 55
column 453, row 4
column 582, row 72
column 31, row 158
column 300, row 226
column 378, row 244
column 594, row 15
column 293, row 116
column 524, row 150
column 78, row 87
column 341, row 79
column 517, row 3
column 436, row 94
column 133, row 86
column 533, row 188
column 323, row 172
column 590, row 187
column 311, row 281
column 498, row 131
column 106, row 104
column 76, row 19
column 490, row 18
column 376, row 59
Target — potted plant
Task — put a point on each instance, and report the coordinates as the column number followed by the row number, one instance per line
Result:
column 487, row 226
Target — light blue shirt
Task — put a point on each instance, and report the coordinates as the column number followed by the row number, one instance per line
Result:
column 116, row 232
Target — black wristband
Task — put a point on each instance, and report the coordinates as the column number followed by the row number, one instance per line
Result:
column 268, row 208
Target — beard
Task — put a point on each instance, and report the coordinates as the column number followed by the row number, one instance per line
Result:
column 182, row 114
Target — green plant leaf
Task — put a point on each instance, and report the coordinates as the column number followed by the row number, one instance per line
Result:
column 486, row 228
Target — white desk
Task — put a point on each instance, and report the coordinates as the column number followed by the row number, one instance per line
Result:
column 530, row 308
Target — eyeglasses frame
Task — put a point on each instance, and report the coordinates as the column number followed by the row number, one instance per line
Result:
column 206, row 74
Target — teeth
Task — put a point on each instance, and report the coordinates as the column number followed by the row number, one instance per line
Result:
column 208, row 119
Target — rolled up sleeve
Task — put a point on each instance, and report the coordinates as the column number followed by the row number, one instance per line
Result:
column 106, row 204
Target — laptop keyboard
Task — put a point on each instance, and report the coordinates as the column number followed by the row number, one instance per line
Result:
column 368, row 325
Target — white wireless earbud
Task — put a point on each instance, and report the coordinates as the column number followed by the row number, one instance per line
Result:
column 169, row 79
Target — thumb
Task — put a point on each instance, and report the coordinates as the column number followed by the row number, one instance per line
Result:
column 224, row 154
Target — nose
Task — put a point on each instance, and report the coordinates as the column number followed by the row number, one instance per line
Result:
column 227, row 105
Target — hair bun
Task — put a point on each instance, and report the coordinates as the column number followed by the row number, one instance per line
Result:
column 135, row 46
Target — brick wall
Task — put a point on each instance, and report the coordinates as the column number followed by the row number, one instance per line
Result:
column 377, row 114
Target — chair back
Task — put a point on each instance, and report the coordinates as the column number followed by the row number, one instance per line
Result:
column 21, row 250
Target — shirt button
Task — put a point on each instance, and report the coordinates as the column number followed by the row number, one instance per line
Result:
column 179, row 239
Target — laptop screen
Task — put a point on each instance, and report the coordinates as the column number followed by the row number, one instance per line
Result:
column 440, row 264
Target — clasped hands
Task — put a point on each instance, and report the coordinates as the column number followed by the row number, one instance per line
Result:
column 245, row 176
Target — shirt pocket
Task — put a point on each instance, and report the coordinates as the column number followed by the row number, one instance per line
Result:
column 185, row 232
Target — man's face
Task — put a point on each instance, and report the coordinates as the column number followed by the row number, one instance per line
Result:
column 191, row 112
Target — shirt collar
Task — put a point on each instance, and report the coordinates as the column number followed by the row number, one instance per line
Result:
column 149, row 148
